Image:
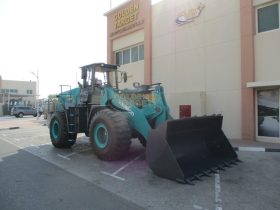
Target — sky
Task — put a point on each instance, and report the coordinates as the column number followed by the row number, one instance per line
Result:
column 53, row 38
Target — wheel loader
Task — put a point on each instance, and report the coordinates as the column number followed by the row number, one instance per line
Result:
column 183, row 150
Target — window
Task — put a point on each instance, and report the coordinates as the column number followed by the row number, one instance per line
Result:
column 9, row 91
column 134, row 54
column 13, row 90
column 29, row 92
column 141, row 52
column 268, row 17
column 126, row 56
column 130, row 55
column 6, row 90
column 119, row 58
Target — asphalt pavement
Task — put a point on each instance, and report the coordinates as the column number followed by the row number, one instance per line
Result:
column 28, row 182
column 36, row 175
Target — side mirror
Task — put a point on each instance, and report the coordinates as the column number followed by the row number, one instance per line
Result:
column 124, row 75
column 136, row 84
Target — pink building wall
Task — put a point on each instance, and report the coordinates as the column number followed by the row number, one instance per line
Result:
column 247, row 28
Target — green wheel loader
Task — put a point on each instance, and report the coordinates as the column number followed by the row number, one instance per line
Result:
column 182, row 150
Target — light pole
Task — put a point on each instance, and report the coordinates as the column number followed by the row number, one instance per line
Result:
column 37, row 91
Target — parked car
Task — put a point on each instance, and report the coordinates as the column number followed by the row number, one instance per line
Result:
column 20, row 111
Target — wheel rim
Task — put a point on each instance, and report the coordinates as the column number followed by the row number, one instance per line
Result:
column 55, row 129
column 100, row 134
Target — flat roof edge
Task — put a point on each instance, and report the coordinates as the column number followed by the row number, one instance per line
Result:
column 262, row 84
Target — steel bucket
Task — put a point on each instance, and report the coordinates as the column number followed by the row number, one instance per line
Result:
column 184, row 150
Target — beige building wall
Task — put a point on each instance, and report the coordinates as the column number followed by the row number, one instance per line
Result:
column 267, row 54
column 135, row 70
column 135, row 73
column 197, row 98
column 129, row 40
column 21, row 87
column 199, row 62
column 267, row 51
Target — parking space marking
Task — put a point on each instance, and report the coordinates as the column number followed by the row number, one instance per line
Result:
column 37, row 146
column 17, row 139
column 218, row 199
column 65, row 156
column 10, row 142
column 198, row 207
column 114, row 174
column 45, row 144
column 71, row 154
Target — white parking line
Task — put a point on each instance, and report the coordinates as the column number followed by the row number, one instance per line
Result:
column 114, row 174
column 37, row 146
column 218, row 199
column 12, row 143
column 45, row 144
column 71, row 154
column 65, row 156
column 198, row 207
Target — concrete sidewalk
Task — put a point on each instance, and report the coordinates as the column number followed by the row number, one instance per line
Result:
column 256, row 146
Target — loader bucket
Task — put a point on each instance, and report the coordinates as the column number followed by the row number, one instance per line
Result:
column 187, row 149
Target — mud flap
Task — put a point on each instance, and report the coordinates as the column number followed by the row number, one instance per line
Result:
column 187, row 149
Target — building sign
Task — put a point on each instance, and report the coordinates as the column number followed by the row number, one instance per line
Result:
column 126, row 16
column 126, row 19
column 189, row 15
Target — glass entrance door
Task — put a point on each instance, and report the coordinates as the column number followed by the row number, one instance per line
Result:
column 268, row 113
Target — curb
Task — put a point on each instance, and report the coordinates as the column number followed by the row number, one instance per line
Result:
column 256, row 149
column 11, row 128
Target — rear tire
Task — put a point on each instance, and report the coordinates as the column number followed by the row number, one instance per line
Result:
column 59, row 132
column 20, row 115
column 110, row 134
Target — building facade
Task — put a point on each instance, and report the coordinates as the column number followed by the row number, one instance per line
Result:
column 213, row 57
column 14, row 92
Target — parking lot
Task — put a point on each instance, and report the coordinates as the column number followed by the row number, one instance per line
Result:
column 252, row 184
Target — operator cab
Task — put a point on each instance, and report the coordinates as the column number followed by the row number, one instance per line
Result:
column 95, row 77
column 101, row 74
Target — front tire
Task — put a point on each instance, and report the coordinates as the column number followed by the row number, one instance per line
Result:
column 110, row 134
column 59, row 132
